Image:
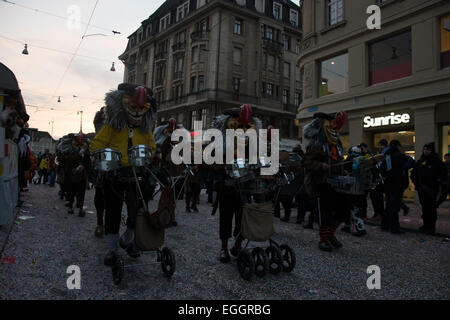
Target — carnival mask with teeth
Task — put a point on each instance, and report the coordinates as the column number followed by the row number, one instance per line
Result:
column 136, row 106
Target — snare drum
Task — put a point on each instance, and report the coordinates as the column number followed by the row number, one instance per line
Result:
column 140, row 156
column 106, row 160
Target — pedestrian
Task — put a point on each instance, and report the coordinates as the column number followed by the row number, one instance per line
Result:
column 52, row 170
column 377, row 194
column 395, row 169
column 446, row 185
column 44, row 166
column 192, row 189
column 428, row 175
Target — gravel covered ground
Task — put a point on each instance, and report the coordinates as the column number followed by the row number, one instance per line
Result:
column 413, row 266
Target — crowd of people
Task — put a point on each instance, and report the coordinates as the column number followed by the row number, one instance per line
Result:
column 316, row 187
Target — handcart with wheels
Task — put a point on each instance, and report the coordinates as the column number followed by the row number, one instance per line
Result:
column 257, row 223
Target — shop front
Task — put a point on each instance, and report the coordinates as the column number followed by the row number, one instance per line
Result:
column 398, row 125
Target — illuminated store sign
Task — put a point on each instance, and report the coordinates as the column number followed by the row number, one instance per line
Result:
column 392, row 119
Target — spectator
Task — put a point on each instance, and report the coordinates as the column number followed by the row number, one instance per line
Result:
column 44, row 166
column 446, row 185
column 395, row 169
column 377, row 194
column 52, row 170
column 428, row 175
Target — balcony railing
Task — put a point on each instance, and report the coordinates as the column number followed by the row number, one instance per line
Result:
column 161, row 56
column 179, row 46
column 273, row 44
column 199, row 35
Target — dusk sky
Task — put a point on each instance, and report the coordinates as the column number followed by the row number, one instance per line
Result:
column 44, row 75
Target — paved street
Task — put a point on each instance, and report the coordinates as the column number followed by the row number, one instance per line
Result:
column 413, row 266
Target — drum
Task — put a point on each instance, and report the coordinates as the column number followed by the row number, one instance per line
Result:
column 238, row 170
column 350, row 185
column 140, row 156
column 106, row 160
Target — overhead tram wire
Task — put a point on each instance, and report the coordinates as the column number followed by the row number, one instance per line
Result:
column 55, row 50
column 76, row 51
column 56, row 16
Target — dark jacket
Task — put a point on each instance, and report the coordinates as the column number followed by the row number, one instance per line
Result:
column 396, row 175
column 430, row 172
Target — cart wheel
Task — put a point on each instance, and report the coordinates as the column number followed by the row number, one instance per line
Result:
column 288, row 256
column 261, row 262
column 167, row 262
column 275, row 260
column 246, row 264
column 118, row 271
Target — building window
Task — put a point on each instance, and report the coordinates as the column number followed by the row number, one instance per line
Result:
column 390, row 59
column 287, row 42
column 297, row 46
column 270, row 62
column 164, row 22
column 294, row 17
column 241, row 2
column 238, row 26
column 269, row 33
column 270, row 90
column 445, row 42
column 193, row 81
column 277, row 11
column 237, row 56
column 335, row 11
column 236, row 84
column 204, row 118
column 260, row 5
column 285, row 96
column 297, row 99
column 193, row 118
column 333, row 75
column 200, row 3
column 183, row 11
column 201, row 83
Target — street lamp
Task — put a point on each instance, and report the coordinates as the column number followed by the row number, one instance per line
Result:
column 25, row 50
column 81, row 121
column 112, row 67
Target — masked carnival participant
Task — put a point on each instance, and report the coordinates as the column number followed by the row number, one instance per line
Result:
column 230, row 201
column 75, row 163
column 323, row 154
column 97, row 179
column 130, row 112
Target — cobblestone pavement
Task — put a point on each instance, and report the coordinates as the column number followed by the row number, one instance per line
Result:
column 413, row 266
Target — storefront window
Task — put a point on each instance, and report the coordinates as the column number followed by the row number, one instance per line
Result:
column 445, row 140
column 391, row 58
column 333, row 75
column 445, row 41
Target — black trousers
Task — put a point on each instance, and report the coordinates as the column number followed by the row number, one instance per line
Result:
column 377, row 198
column 230, row 205
column 76, row 190
column 390, row 220
column 333, row 207
column 286, row 201
column 116, row 193
column 427, row 197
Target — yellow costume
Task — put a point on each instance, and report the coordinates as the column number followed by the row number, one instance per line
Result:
column 108, row 137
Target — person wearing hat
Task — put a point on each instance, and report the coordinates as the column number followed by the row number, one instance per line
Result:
column 130, row 114
column 323, row 159
column 395, row 170
column 428, row 175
